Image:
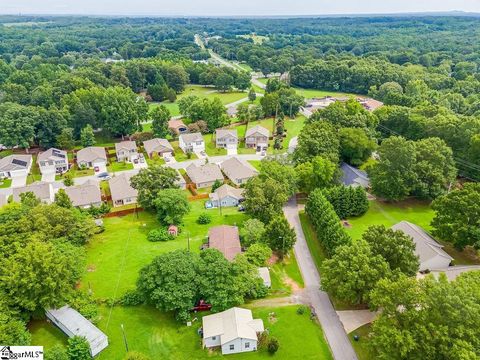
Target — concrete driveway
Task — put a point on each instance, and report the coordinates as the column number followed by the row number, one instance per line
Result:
column 48, row 177
column 232, row 151
column 18, row 181
column 353, row 319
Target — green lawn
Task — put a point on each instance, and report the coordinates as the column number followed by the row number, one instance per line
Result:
column 211, row 147
column 255, row 163
column 316, row 249
column 179, row 154
column 158, row 335
column 315, row 93
column 115, row 166
column 5, row 183
column 361, row 346
column 293, row 128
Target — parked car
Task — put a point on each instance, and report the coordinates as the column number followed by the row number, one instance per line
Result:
column 104, row 176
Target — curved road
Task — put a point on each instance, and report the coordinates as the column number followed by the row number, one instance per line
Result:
column 332, row 327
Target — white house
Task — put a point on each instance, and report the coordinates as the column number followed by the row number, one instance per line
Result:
column 430, row 252
column 53, row 161
column 93, row 157
column 12, row 166
column 234, row 330
column 72, row 323
column 126, row 151
column 191, row 142
column 265, row 276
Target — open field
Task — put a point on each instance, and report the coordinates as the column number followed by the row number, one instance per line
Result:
column 257, row 39
column 315, row 93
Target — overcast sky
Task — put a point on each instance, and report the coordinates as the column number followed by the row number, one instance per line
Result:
column 231, row 7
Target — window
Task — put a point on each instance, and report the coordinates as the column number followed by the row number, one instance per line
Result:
column 232, row 347
column 214, row 338
column 247, row 345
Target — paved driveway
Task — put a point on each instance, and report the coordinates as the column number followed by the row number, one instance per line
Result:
column 18, row 181
column 48, row 177
column 232, row 151
column 332, row 327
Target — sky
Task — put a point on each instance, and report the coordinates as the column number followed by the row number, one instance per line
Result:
column 231, row 7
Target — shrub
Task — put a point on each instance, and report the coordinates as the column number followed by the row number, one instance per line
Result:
column 258, row 254
column 133, row 355
column 78, row 348
column 347, row 201
column 301, row 310
column 272, row 345
column 132, row 298
column 156, row 235
column 204, row 219
column 99, row 211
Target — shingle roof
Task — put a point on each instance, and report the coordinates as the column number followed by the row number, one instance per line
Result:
column 15, row 162
column 193, row 137
column 425, row 246
column 227, row 190
column 205, row 173
column 42, row 190
column 91, row 153
column 125, row 145
column 175, row 124
column 257, row 129
column 225, row 239
column 232, row 324
column 157, row 145
column 354, row 176
column 220, row 133
column 235, row 169
column 120, row 187
column 52, row 154
column 85, row 194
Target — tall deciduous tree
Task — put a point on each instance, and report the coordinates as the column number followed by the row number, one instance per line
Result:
column 87, row 137
column 279, row 236
column 171, row 206
column 317, row 138
column 355, row 146
column 160, row 117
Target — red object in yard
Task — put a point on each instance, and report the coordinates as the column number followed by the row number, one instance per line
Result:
column 173, row 230
column 96, row 169
column 202, row 306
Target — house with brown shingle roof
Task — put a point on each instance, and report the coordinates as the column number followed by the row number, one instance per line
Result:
column 226, row 138
column 237, row 171
column 86, row 195
column 122, row 191
column 205, row 175
column 158, row 146
column 177, row 126
column 226, row 239
column 257, row 137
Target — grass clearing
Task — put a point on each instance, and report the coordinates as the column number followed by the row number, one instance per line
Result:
column 5, row 183
column 211, row 146
column 316, row 93
column 314, row 245
column 361, row 346
column 115, row 166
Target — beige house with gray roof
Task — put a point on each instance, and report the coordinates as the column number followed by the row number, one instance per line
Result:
column 237, row 171
column 226, row 196
column 92, row 157
column 86, row 195
column 205, row 175
column 126, row 151
column 158, row 146
column 122, row 191
column 42, row 190
column 234, row 330
column 226, row 138
column 257, row 137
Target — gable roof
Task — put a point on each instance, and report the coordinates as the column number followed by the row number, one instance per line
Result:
column 221, row 133
column 192, row 137
column 176, row 124
column 226, row 239
column 15, row 162
column 156, row 145
column 125, row 145
column 353, row 176
column 86, row 194
column 91, row 153
column 257, row 129
column 205, row 173
column 234, row 168
column 227, row 190
column 42, row 190
column 120, row 187
column 425, row 246
column 232, row 324
column 52, row 154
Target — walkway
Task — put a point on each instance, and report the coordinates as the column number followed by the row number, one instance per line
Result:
column 332, row 327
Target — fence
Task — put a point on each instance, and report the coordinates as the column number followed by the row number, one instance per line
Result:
column 114, row 213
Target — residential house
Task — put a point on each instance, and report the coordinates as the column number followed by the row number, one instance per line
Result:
column 53, row 161
column 237, row 171
column 205, row 175
column 430, row 253
column 226, row 239
column 92, row 157
column 122, row 191
column 177, row 127
column 42, row 190
column 191, row 142
column 257, row 137
column 180, row 182
column 126, row 151
column 226, row 196
column 234, row 330
column 86, row 195
column 265, row 276
column 226, row 138
column 72, row 323
column 161, row 147
column 370, row 104
column 12, row 166
column 351, row 176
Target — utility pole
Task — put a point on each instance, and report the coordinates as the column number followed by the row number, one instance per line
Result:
column 188, row 241
column 124, row 338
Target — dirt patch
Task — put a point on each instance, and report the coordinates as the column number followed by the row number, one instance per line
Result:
column 346, row 224
column 293, row 284
column 272, row 318
column 91, row 268
column 273, row 260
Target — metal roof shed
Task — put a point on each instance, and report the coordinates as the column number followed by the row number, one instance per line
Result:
column 72, row 323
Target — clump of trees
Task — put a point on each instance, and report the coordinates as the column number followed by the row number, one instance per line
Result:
column 347, row 201
column 213, row 112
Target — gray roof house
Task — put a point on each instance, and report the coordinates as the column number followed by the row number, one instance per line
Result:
column 126, row 151
column 122, row 192
column 234, row 330
column 205, row 175
column 431, row 253
column 226, row 138
column 237, row 171
column 92, row 156
column 226, row 196
column 157, row 146
column 72, row 323
column 15, row 165
column 42, row 190
column 226, row 239
column 180, row 182
column 191, row 142
column 257, row 137
column 53, row 161
column 352, row 176
column 86, row 195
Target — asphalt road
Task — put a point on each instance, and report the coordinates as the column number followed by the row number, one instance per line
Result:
column 332, row 327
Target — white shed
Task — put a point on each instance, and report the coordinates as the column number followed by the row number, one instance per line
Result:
column 265, row 275
column 72, row 323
